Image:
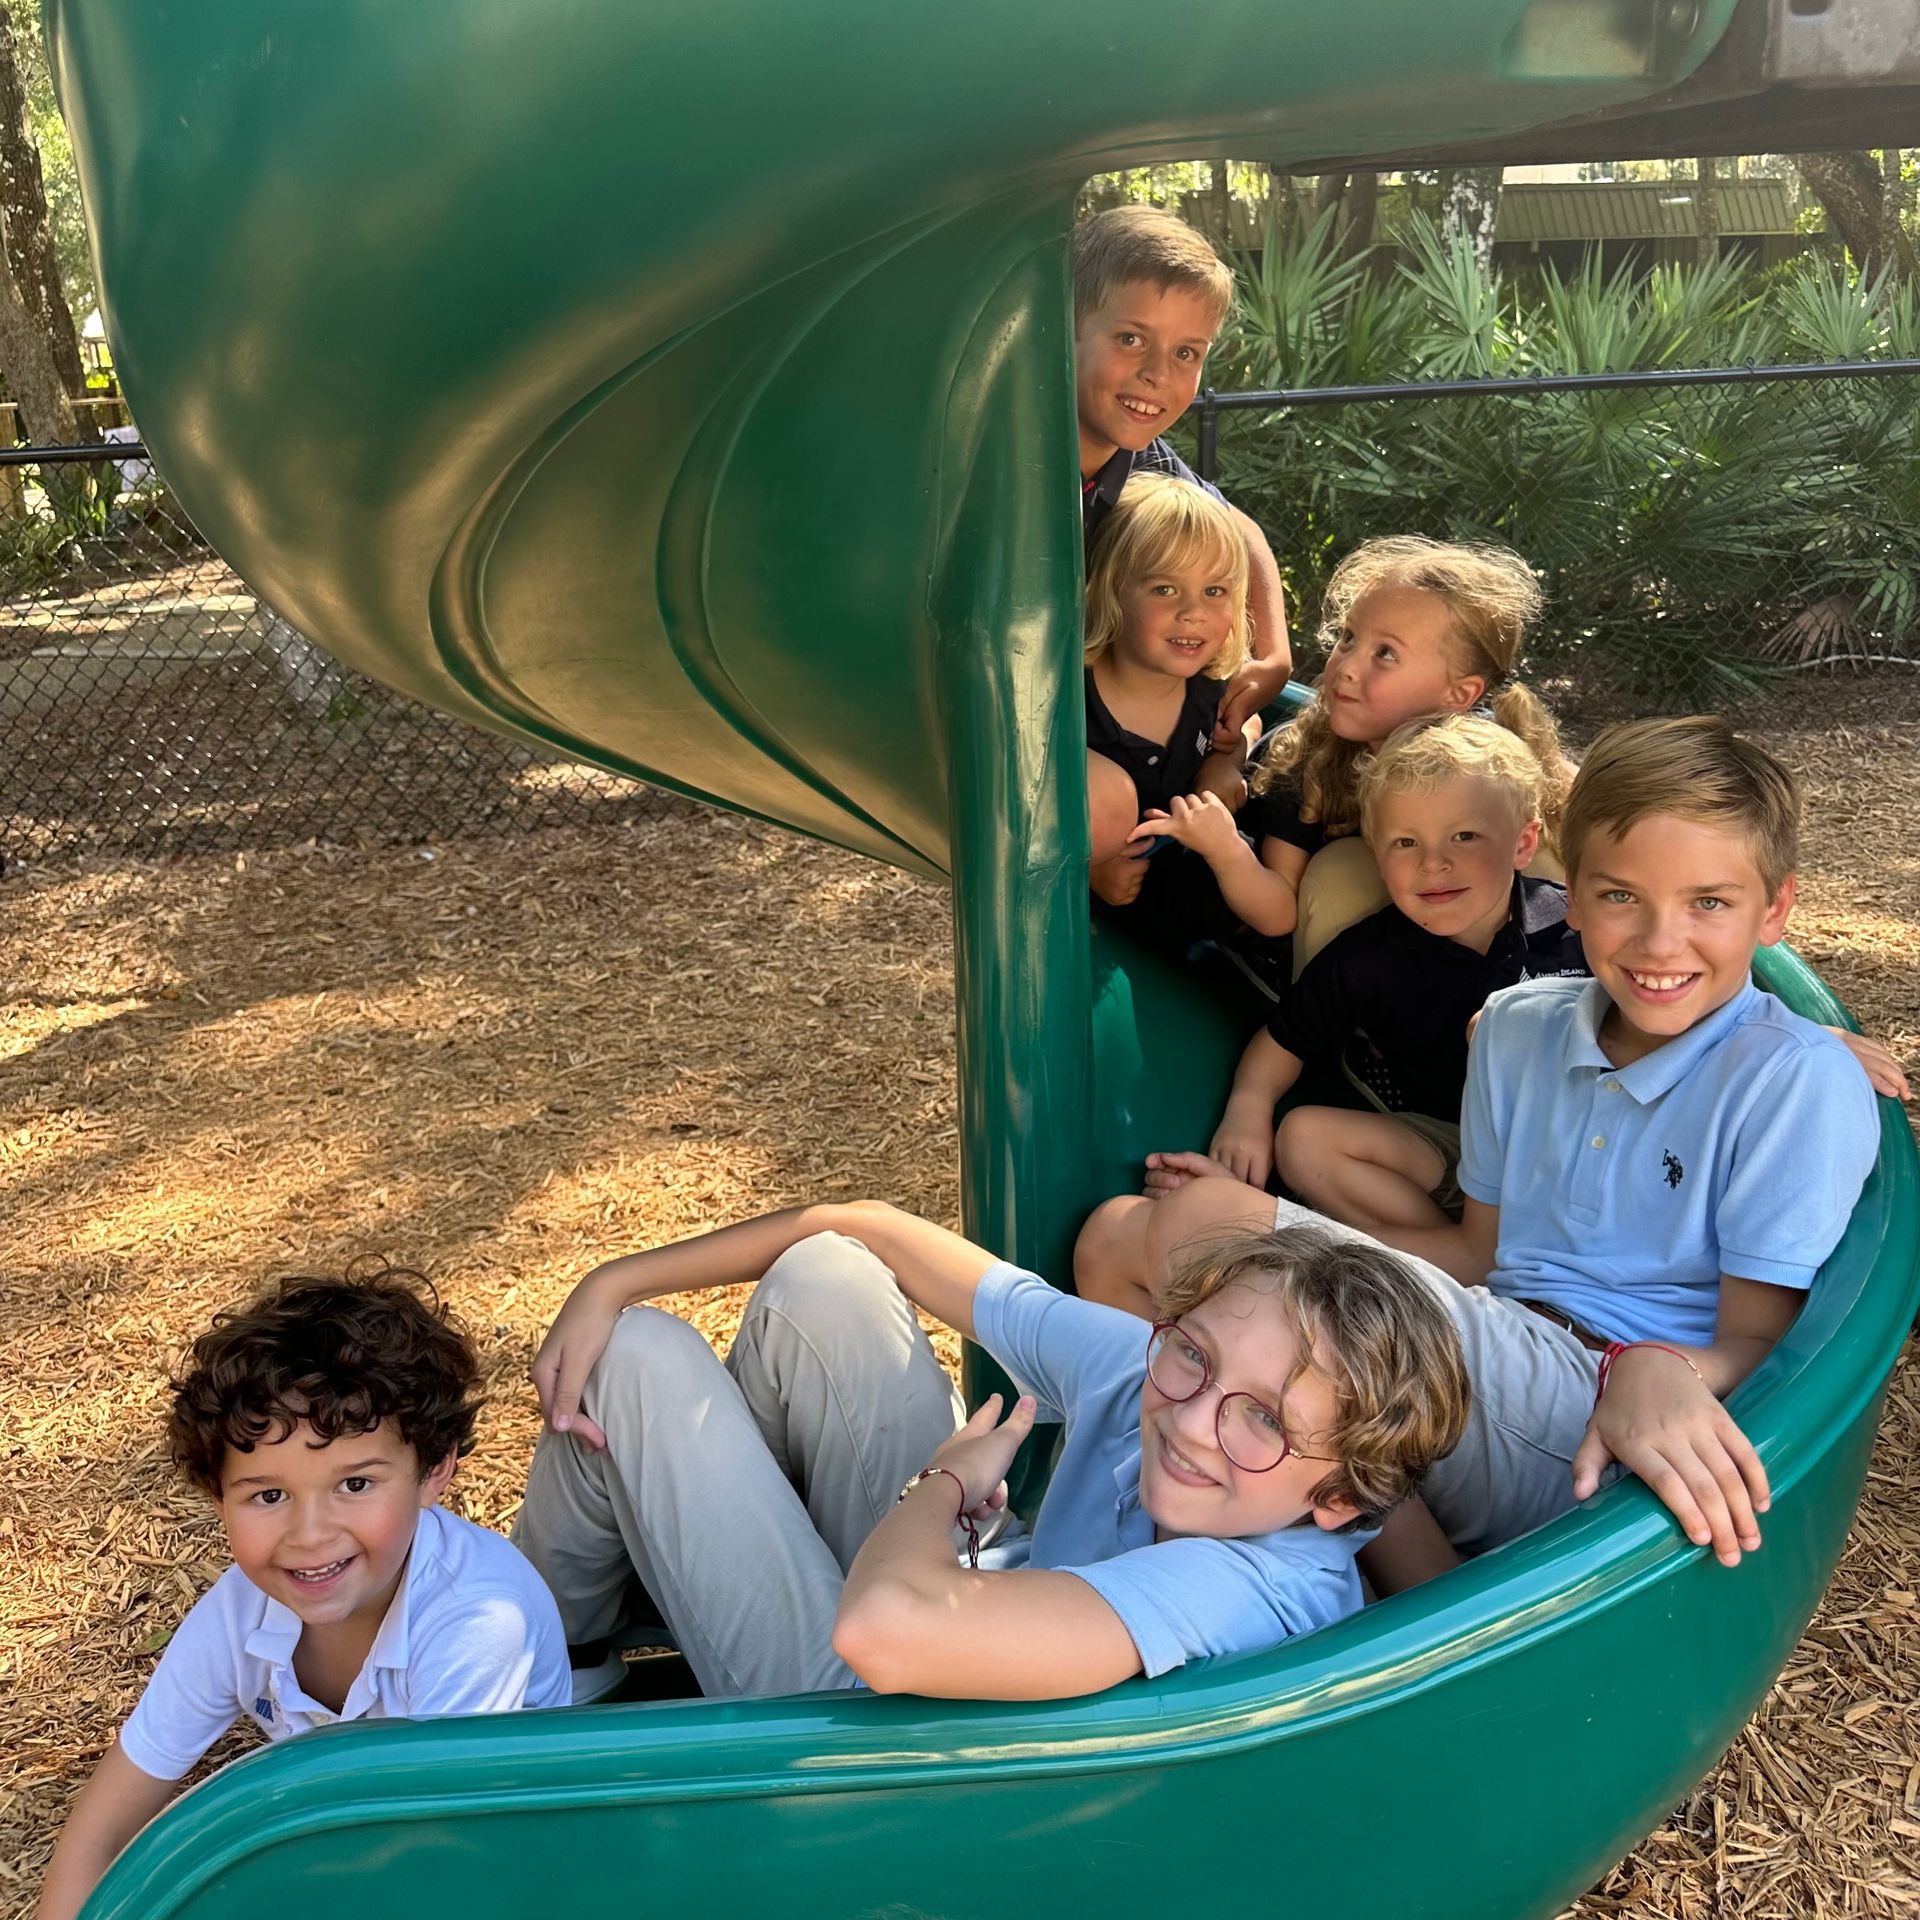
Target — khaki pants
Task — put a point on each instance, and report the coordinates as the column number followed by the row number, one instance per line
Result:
column 737, row 1496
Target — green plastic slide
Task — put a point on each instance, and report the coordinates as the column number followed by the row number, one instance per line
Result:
column 688, row 386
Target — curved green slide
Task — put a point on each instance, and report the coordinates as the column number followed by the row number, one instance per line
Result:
column 688, row 386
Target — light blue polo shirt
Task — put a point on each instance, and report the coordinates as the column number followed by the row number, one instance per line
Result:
column 1626, row 1192
column 1180, row 1599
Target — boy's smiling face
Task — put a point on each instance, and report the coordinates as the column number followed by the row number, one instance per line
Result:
column 1187, row 1484
column 1179, row 618
column 1447, row 856
column 1669, row 914
column 326, row 1529
column 1137, row 361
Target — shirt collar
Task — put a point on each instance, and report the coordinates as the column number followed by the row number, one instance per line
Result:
column 390, row 1643
column 1106, row 484
column 1665, row 1067
column 274, row 1639
column 278, row 1633
column 1538, row 904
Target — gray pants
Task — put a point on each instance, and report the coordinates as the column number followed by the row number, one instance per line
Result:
column 737, row 1495
column 1533, row 1387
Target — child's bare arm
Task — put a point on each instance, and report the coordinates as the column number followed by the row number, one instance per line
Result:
column 1276, row 903
column 913, row 1620
column 1223, row 773
column 1243, row 1141
column 934, row 1268
column 1877, row 1062
column 1270, row 657
column 1263, row 889
column 1660, row 1417
column 1465, row 1249
column 110, row 1809
column 1411, row 1549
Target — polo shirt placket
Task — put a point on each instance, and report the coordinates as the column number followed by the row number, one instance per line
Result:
column 1100, row 495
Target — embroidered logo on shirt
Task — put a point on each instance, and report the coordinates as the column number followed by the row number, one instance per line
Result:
column 263, row 1708
column 1675, row 1171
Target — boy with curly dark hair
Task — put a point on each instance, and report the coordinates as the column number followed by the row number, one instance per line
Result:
column 325, row 1421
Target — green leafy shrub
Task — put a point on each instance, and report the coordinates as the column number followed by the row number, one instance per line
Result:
column 1692, row 540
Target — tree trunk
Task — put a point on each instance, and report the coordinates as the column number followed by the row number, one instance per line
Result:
column 1470, row 209
column 27, row 233
column 1220, row 206
column 1361, row 213
column 1706, row 213
column 1853, row 197
column 34, row 382
column 1283, row 208
column 1328, row 191
column 1899, row 189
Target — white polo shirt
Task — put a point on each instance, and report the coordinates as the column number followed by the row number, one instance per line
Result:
column 472, row 1629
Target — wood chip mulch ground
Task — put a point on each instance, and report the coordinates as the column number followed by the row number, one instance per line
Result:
column 501, row 1060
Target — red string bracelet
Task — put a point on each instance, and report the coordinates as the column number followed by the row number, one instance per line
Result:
column 963, row 1520
column 1617, row 1347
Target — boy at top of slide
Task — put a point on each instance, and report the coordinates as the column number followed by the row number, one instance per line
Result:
column 1149, row 294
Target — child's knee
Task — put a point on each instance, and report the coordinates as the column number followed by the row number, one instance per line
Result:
column 1300, row 1145
column 646, row 1345
column 822, row 1281
column 1340, row 887
column 1113, row 807
column 1110, row 1252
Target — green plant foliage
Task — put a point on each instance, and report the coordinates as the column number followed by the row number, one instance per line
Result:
column 1692, row 540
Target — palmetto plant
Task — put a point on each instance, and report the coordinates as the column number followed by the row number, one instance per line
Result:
column 1691, row 539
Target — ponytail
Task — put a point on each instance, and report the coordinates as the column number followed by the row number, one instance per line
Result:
column 1519, row 709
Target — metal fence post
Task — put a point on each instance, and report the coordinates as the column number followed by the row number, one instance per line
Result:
column 1207, row 454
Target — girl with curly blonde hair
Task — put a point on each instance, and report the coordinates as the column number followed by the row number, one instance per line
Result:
column 1413, row 627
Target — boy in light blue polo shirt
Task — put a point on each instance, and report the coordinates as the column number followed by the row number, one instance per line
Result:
column 1219, row 1470
column 1657, row 1162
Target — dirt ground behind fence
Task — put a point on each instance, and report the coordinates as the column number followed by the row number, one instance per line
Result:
column 501, row 1060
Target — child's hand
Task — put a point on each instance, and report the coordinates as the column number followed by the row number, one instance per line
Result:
column 1202, row 821
column 981, row 1452
column 1245, row 1151
column 1882, row 1069
column 1167, row 1171
column 574, row 1343
column 1256, row 684
column 1118, row 881
column 1661, row 1422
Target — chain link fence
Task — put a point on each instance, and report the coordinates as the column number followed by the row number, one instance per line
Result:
column 1699, row 533
column 150, row 704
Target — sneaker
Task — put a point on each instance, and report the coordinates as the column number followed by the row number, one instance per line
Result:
column 595, row 1677
column 599, row 1666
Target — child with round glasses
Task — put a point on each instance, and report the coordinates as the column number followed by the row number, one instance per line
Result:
column 795, row 1515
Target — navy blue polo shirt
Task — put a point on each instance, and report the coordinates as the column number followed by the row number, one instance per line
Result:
column 1275, row 813
column 1100, row 495
column 1159, row 769
column 1412, row 992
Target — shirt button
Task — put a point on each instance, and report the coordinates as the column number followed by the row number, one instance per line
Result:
column 1599, row 1139
column 1153, row 759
